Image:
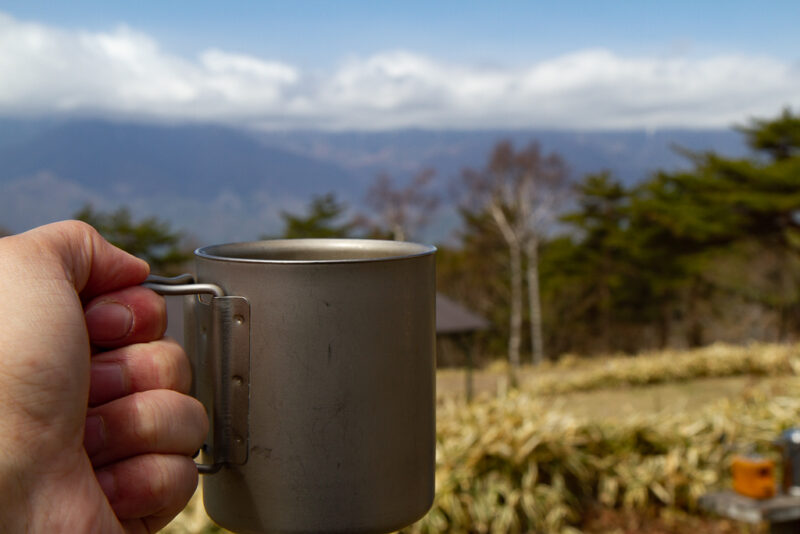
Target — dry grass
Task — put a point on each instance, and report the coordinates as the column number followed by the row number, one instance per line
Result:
column 571, row 373
column 520, row 465
column 193, row 519
column 629, row 434
column 675, row 398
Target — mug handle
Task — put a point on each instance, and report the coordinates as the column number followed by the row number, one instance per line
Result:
column 183, row 284
column 222, row 355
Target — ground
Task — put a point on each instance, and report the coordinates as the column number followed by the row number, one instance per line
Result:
column 605, row 521
column 620, row 402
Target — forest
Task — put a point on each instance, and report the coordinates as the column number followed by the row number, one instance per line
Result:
column 582, row 265
column 679, row 260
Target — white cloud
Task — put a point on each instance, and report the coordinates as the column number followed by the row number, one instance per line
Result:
column 124, row 72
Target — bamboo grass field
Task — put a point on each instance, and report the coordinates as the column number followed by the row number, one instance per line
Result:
column 538, row 460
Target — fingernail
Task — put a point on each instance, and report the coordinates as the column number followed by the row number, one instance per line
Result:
column 94, row 435
column 108, row 321
column 107, row 484
column 107, row 382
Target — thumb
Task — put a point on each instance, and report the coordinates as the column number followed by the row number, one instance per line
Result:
column 93, row 265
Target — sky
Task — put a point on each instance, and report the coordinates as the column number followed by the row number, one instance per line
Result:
column 370, row 65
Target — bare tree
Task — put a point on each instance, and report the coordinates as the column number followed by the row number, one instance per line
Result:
column 546, row 187
column 522, row 192
column 404, row 210
column 496, row 192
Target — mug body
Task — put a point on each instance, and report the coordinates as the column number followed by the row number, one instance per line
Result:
column 341, row 414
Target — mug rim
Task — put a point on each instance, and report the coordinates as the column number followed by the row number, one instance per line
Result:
column 385, row 250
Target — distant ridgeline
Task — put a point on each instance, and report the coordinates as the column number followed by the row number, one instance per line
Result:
column 223, row 183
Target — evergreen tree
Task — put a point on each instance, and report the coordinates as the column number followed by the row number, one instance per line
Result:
column 601, row 220
column 685, row 223
column 151, row 239
column 779, row 137
column 323, row 219
column 684, row 257
column 476, row 274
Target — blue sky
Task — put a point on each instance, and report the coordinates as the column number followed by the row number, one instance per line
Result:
column 317, row 33
column 380, row 64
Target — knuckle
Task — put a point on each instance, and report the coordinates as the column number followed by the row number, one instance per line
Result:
column 172, row 477
column 77, row 227
column 167, row 421
column 148, row 419
column 171, row 366
column 159, row 482
column 151, row 310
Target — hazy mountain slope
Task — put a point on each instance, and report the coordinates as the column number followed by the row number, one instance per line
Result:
column 631, row 155
column 222, row 184
column 193, row 160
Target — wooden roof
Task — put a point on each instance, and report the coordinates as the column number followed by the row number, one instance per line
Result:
column 453, row 318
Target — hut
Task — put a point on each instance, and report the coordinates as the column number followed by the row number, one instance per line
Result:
column 453, row 319
column 458, row 324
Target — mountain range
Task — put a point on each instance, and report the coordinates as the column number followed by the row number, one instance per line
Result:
column 217, row 183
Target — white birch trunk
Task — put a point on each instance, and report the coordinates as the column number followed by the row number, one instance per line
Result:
column 515, row 335
column 398, row 233
column 515, row 260
column 534, row 300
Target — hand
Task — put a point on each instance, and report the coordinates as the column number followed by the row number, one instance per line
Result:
column 91, row 440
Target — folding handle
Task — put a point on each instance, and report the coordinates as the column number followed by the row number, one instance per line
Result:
column 183, row 284
column 219, row 333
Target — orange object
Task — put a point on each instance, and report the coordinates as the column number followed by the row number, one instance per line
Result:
column 754, row 476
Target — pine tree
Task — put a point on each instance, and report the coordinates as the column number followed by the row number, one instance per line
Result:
column 151, row 239
column 322, row 220
column 601, row 219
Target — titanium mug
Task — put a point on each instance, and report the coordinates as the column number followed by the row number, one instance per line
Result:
column 315, row 359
